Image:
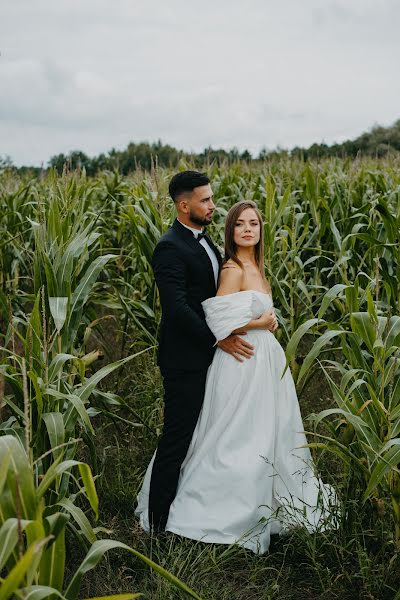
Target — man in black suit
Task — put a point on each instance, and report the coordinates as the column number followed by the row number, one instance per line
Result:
column 186, row 266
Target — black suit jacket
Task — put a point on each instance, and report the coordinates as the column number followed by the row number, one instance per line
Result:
column 184, row 277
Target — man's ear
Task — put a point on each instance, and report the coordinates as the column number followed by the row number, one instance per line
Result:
column 182, row 205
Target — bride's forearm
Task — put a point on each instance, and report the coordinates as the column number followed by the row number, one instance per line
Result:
column 253, row 324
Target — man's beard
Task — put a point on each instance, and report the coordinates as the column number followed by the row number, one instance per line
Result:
column 203, row 221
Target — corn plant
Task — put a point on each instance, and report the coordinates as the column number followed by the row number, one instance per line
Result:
column 144, row 217
column 33, row 531
column 50, row 400
column 365, row 426
column 48, row 374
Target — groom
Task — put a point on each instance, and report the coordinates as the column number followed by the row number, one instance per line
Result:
column 186, row 266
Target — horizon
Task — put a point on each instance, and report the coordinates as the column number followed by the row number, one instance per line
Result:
column 146, row 142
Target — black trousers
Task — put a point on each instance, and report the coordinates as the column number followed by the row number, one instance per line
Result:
column 184, row 394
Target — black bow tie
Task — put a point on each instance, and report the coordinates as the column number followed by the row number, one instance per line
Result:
column 201, row 235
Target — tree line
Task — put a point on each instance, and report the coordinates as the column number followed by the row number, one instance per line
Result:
column 378, row 142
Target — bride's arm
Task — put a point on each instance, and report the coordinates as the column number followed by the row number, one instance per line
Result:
column 266, row 321
column 230, row 282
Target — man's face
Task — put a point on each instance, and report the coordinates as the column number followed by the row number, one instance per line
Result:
column 199, row 206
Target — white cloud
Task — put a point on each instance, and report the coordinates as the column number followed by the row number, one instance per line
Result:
column 97, row 74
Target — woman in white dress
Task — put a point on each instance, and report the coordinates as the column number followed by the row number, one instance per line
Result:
column 246, row 474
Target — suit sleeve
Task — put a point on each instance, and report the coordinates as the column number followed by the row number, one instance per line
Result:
column 170, row 274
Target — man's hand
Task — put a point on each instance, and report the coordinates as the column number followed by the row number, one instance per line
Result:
column 236, row 347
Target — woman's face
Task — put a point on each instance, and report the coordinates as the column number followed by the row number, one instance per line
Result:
column 247, row 229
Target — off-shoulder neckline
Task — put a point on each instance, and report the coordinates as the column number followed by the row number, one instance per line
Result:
column 244, row 292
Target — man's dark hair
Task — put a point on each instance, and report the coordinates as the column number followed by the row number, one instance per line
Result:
column 186, row 181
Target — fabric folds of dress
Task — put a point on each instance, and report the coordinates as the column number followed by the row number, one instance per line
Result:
column 224, row 314
column 247, row 473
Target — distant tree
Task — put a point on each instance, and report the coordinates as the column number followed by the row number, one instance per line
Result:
column 57, row 162
column 233, row 154
column 298, row 152
column 74, row 160
column 246, row 155
column 379, row 141
column 263, row 154
column 5, row 162
column 79, row 160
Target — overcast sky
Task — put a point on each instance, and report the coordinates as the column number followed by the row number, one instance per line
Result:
column 97, row 74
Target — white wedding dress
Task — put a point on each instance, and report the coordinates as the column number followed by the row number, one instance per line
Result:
column 245, row 475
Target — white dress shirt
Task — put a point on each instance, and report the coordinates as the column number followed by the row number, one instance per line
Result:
column 208, row 249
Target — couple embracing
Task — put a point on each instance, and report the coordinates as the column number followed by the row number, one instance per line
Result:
column 231, row 466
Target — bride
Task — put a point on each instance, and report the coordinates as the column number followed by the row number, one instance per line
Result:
column 247, row 473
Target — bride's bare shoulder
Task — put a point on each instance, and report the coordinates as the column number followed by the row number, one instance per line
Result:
column 231, row 278
column 230, row 264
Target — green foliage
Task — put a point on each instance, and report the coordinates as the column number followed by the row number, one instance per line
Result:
column 76, row 286
column 48, row 374
column 364, row 429
column 378, row 142
column 32, row 531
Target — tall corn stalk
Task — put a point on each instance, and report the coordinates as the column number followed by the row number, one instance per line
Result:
column 364, row 428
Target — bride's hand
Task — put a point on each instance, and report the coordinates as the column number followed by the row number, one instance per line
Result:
column 268, row 320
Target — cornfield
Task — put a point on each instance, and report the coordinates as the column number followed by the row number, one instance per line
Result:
column 77, row 290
